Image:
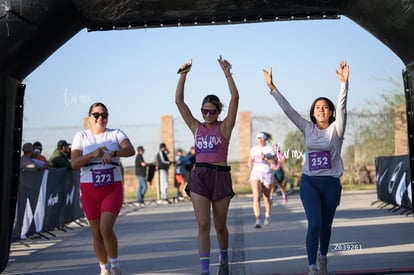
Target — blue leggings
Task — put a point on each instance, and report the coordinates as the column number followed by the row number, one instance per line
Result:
column 320, row 196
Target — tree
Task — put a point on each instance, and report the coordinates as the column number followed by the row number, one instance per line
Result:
column 373, row 129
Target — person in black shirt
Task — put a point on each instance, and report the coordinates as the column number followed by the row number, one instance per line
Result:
column 141, row 173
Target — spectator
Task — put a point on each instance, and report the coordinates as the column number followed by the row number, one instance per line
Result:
column 27, row 160
column 180, row 173
column 191, row 159
column 163, row 164
column 141, row 173
column 37, row 152
column 60, row 158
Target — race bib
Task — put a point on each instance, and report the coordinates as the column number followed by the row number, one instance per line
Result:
column 103, row 177
column 206, row 144
column 319, row 160
column 259, row 159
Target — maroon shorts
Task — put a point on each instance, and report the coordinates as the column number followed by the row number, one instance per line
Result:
column 97, row 200
column 210, row 181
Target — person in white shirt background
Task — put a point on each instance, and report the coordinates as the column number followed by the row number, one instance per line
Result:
column 261, row 176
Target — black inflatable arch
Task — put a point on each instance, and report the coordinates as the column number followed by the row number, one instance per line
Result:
column 31, row 30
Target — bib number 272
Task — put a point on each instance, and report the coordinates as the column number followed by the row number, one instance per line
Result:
column 102, row 177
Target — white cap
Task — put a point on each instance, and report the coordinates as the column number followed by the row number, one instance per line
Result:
column 261, row 135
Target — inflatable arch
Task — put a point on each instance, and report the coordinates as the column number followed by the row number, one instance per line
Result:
column 31, row 30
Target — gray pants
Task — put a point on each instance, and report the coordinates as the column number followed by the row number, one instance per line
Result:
column 163, row 174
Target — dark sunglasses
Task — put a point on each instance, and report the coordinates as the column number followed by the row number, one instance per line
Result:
column 211, row 112
column 96, row 115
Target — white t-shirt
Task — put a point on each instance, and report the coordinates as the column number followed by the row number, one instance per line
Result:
column 87, row 142
column 260, row 164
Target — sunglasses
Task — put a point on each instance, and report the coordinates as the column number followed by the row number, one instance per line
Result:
column 211, row 112
column 96, row 115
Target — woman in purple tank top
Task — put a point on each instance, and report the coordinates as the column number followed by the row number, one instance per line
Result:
column 210, row 185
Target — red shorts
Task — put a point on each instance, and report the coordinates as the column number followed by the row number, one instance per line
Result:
column 97, row 200
column 179, row 179
column 210, row 181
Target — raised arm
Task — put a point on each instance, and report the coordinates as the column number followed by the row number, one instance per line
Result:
column 341, row 117
column 269, row 79
column 343, row 72
column 230, row 120
column 184, row 110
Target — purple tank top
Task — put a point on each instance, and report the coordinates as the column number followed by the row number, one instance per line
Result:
column 210, row 144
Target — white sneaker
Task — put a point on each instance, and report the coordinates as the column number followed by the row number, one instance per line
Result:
column 266, row 221
column 323, row 266
column 104, row 272
column 115, row 271
column 313, row 271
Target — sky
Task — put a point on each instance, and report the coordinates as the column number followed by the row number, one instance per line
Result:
column 134, row 71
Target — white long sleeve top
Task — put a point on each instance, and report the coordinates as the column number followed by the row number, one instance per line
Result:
column 323, row 147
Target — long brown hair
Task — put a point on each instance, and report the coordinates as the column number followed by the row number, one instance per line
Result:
column 331, row 107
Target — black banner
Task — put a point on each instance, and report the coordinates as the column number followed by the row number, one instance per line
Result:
column 393, row 180
column 47, row 199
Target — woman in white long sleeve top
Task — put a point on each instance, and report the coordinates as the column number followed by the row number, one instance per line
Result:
column 320, row 188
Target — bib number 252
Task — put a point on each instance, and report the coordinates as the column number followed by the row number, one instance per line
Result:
column 319, row 160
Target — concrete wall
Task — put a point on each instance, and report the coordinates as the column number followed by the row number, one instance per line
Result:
column 245, row 139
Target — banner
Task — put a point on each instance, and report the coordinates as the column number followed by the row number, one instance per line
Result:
column 394, row 180
column 47, row 199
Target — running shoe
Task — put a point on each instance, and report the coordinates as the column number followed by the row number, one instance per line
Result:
column 223, row 269
column 257, row 225
column 104, row 272
column 313, row 271
column 266, row 221
column 116, row 271
column 284, row 199
column 323, row 266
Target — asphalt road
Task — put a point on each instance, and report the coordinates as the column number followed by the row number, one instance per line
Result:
column 162, row 239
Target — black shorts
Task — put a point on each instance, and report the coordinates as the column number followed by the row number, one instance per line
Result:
column 210, row 181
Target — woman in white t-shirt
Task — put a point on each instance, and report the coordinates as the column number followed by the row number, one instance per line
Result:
column 96, row 152
column 261, row 176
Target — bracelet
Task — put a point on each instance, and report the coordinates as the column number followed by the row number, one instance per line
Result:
column 114, row 154
column 228, row 75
